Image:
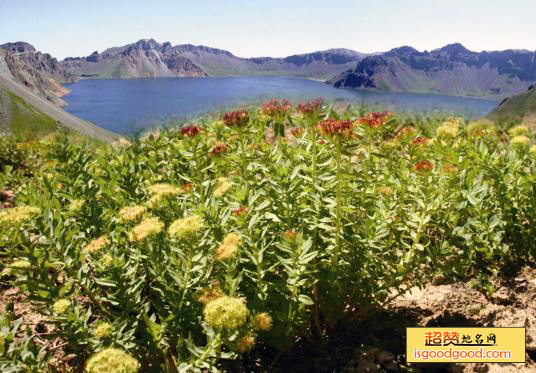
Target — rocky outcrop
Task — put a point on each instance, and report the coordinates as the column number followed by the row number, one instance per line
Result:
column 39, row 72
column 453, row 70
column 4, row 68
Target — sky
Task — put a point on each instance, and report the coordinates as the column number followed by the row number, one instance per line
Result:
column 276, row 28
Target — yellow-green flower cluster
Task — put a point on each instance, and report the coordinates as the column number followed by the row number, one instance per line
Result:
column 160, row 191
column 20, row 264
column 155, row 200
column 246, row 343
column 163, row 189
column 520, row 141
column 76, row 204
column 385, row 191
column 18, row 214
column 107, row 260
column 145, row 228
column 223, row 185
column 450, row 128
column 60, row 306
column 112, row 360
column 187, row 227
column 262, row 322
column 532, row 150
column 209, row 294
column 520, row 130
column 481, row 127
column 226, row 313
column 96, row 245
column 103, row 330
column 448, row 131
column 453, row 122
column 229, row 247
column 131, row 213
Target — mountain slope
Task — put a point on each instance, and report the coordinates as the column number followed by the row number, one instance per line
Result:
column 516, row 108
column 452, row 70
column 37, row 71
column 148, row 58
column 21, row 110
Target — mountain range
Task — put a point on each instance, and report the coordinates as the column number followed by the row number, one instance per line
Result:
column 148, row 58
column 452, row 70
column 44, row 75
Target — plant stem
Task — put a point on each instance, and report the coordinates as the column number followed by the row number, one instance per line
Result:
column 338, row 202
column 314, row 151
column 244, row 160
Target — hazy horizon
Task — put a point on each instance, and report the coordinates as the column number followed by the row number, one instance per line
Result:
column 275, row 29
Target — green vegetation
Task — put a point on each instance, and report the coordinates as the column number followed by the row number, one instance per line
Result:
column 26, row 119
column 516, row 108
column 215, row 242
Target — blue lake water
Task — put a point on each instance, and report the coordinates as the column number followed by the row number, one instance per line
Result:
column 128, row 106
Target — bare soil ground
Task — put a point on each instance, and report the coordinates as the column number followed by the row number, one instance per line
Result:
column 378, row 344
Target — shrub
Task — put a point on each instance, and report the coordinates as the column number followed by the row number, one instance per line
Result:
column 190, row 248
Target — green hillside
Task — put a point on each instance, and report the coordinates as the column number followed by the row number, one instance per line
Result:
column 18, row 117
column 517, row 107
column 23, row 112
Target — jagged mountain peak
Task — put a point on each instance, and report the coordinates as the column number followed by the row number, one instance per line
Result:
column 147, row 44
column 453, row 48
column 402, row 51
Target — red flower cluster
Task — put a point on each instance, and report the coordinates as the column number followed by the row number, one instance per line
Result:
column 376, row 119
column 191, row 130
column 290, row 234
column 296, row 131
column 237, row 118
column 310, row 108
column 450, row 169
column 336, row 127
column 276, row 109
column 420, row 141
column 187, row 187
column 423, row 166
column 241, row 211
column 218, row 149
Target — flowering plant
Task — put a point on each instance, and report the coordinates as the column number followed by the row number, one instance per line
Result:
column 186, row 250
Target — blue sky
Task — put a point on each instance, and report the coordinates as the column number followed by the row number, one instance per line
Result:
column 269, row 27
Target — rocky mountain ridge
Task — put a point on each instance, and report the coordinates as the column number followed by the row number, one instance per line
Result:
column 452, row 70
column 148, row 58
column 39, row 72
